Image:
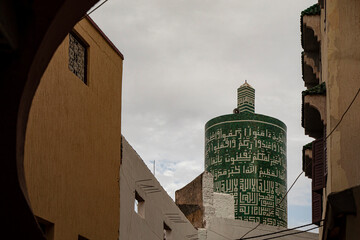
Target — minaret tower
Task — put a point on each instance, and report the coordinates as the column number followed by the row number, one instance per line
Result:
column 246, row 98
column 246, row 154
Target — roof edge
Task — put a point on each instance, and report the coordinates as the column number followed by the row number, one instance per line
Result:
column 312, row 10
column 104, row 36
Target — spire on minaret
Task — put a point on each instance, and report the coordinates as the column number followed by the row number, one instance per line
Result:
column 246, row 98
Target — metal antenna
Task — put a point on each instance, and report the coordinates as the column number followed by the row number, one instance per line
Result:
column 154, row 169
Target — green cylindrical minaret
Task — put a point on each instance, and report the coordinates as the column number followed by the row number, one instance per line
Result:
column 246, row 153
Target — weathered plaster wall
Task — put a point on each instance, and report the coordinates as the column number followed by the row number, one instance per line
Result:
column 208, row 197
column 224, row 205
column 313, row 23
column 318, row 102
column 353, row 221
column 225, row 229
column 343, row 77
column 72, row 150
column 219, row 205
column 340, row 52
column 219, row 222
column 159, row 207
column 198, row 201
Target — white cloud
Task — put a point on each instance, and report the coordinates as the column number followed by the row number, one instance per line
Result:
column 183, row 63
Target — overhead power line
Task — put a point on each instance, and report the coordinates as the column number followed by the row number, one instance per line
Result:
column 273, row 207
column 260, row 237
column 96, row 8
column 342, row 117
column 289, row 234
column 218, row 234
column 282, row 231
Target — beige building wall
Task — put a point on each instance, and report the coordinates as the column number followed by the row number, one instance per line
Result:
column 342, row 68
column 341, row 71
column 73, row 142
column 156, row 209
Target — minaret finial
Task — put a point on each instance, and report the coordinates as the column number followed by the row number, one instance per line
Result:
column 246, row 98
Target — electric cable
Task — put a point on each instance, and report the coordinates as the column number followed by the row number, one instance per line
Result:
column 342, row 117
column 218, row 234
column 273, row 207
column 95, row 8
column 289, row 234
column 277, row 232
column 281, row 231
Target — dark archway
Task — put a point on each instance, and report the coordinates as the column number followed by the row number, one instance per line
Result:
column 30, row 32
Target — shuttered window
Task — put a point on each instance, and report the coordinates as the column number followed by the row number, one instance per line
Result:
column 318, row 177
column 318, row 167
column 316, row 207
column 325, row 156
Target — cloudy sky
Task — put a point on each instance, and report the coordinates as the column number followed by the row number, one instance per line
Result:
column 184, row 61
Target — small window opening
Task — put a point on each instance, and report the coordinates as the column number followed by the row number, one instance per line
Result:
column 46, row 227
column 139, row 205
column 78, row 57
column 167, row 232
column 82, row 238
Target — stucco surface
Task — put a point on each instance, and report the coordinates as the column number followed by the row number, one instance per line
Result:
column 313, row 22
column 225, row 229
column 343, row 61
column 208, row 197
column 224, row 205
column 159, row 207
column 72, row 149
column 340, row 61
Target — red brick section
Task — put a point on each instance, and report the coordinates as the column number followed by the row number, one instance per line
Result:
column 189, row 200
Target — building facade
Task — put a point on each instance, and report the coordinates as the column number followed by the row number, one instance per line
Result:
column 73, row 139
column 331, row 114
column 155, row 215
column 212, row 213
column 246, row 154
column 84, row 179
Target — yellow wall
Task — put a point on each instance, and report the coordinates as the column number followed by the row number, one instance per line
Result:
column 72, row 150
column 342, row 71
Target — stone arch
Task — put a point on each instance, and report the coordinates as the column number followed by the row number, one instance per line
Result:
column 313, row 124
column 36, row 29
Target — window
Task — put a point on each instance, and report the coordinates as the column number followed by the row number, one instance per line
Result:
column 316, row 199
column 167, row 232
column 318, row 178
column 46, row 227
column 139, row 205
column 318, row 167
column 78, row 57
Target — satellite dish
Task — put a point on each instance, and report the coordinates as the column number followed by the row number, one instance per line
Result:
column 236, row 111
